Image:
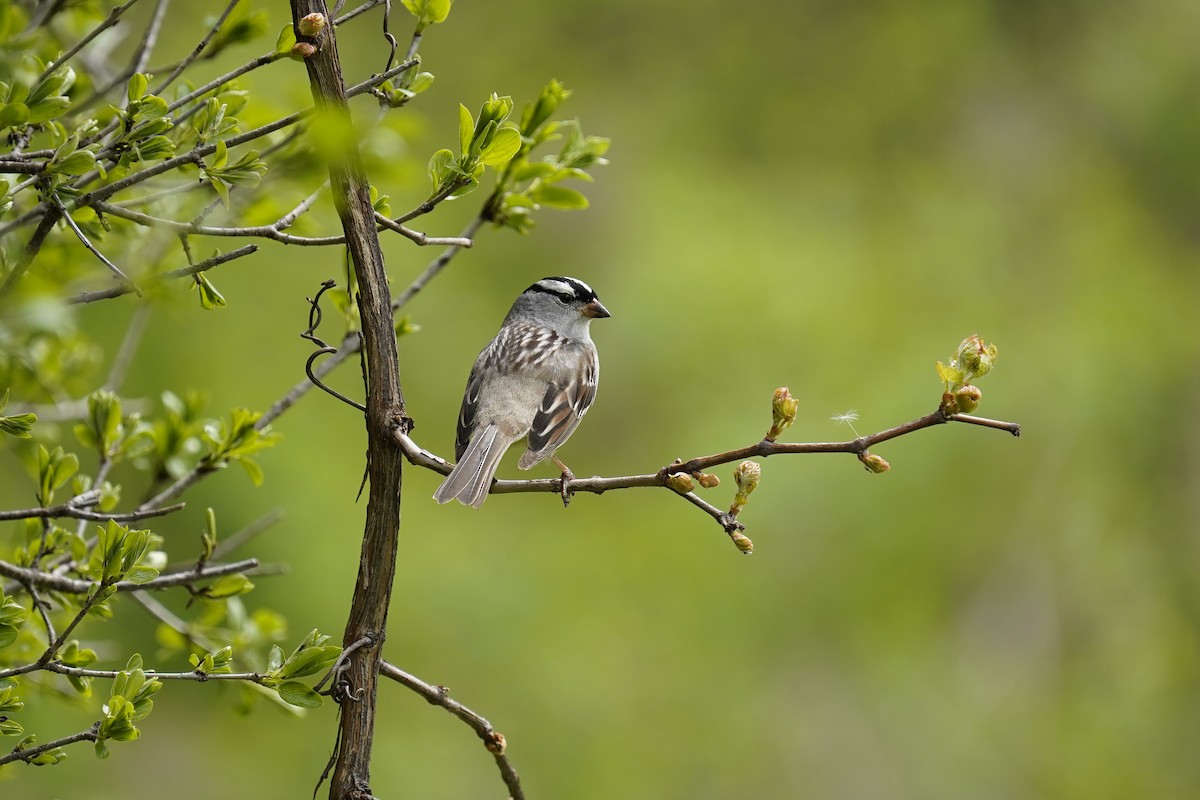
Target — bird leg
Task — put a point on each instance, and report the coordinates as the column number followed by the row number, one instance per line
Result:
column 567, row 477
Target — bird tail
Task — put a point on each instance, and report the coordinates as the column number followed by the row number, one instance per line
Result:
column 469, row 481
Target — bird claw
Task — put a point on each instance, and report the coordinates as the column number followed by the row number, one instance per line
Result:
column 565, row 491
column 567, row 476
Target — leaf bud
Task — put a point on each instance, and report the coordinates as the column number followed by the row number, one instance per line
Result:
column 974, row 357
column 707, row 479
column 311, row 25
column 302, row 50
column 874, row 463
column 746, row 476
column 742, row 542
column 495, row 743
column 967, row 398
column 681, row 482
column 783, row 412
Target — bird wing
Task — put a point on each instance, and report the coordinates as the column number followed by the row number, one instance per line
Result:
column 562, row 407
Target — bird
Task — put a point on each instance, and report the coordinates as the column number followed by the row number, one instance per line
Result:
column 535, row 380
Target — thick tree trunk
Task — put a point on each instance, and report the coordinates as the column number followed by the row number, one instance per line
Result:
column 385, row 410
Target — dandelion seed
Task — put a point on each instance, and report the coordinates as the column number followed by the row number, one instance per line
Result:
column 848, row 419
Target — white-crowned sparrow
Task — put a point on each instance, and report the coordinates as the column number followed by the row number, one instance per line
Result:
column 537, row 378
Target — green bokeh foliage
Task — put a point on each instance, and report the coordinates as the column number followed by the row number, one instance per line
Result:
column 823, row 195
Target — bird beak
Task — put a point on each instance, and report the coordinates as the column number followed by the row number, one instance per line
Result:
column 595, row 310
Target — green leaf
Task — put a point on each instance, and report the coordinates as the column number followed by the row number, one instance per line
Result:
column 210, row 298
column 141, row 574
column 219, row 156
column 297, row 694
column 8, row 634
column 19, row 425
column 253, row 470
column 437, row 10
column 13, row 114
column 285, row 41
column 136, row 89
column 504, row 145
column 227, row 586
column 47, row 109
column 558, row 197
column 78, row 163
column 466, row 129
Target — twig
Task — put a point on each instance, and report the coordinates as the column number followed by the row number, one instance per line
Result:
column 61, row 583
column 23, row 167
column 91, row 247
column 105, row 24
column 76, row 512
column 32, row 247
column 195, row 675
column 191, row 57
column 26, row 754
column 419, row 237
column 125, row 353
column 183, row 272
column 246, row 533
column 421, row 457
column 438, row 264
column 221, row 80
column 354, row 12
column 251, row 231
column 150, row 38
column 440, row 696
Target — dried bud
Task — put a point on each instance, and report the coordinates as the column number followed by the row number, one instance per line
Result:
column 742, row 541
column 302, row 50
column 681, row 482
column 967, row 398
column 707, row 479
column 783, row 412
column 874, row 463
column 495, row 743
column 311, row 25
column 974, row 357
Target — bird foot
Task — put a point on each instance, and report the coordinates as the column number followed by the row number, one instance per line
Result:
column 567, row 477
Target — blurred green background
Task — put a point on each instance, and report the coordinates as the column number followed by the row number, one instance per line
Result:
column 818, row 194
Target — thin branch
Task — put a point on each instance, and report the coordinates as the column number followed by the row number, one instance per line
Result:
column 191, row 57
column 253, row 231
column 199, row 677
column 32, row 248
column 440, row 696
column 105, row 24
column 28, row 753
column 61, row 583
column 438, row 264
column 221, row 80
column 354, row 12
column 289, row 219
column 246, row 533
column 419, row 237
column 182, row 272
column 23, row 167
column 91, row 247
column 421, row 457
column 75, row 511
column 150, row 38
column 129, row 346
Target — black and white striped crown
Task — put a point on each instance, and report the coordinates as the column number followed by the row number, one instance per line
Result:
column 570, row 290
